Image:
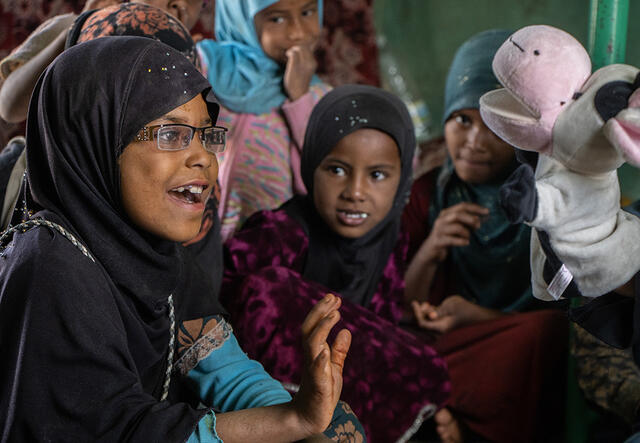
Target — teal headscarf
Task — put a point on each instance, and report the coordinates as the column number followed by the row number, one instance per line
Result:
column 493, row 270
column 243, row 77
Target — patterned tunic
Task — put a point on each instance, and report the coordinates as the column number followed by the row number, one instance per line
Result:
column 260, row 169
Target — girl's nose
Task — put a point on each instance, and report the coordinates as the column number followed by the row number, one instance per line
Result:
column 198, row 156
column 296, row 30
column 355, row 189
column 475, row 137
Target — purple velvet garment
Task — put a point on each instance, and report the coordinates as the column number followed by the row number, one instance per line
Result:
column 388, row 369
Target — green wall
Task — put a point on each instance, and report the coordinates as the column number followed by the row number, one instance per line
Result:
column 424, row 34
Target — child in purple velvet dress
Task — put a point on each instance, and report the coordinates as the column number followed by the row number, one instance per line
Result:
column 343, row 237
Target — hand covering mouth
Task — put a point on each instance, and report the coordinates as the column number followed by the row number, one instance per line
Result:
column 189, row 193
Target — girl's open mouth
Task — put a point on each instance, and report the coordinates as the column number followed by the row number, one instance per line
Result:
column 190, row 194
column 351, row 218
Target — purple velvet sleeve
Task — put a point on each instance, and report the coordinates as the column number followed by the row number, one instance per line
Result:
column 273, row 238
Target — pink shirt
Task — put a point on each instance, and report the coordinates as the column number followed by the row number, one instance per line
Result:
column 260, row 168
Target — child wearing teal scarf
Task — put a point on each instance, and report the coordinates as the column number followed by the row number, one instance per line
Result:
column 262, row 69
column 470, row 275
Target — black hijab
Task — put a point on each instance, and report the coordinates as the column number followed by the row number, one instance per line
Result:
column 85, row 110
column 90, row 361
column 352, row 267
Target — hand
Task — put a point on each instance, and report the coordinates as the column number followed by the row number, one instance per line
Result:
column 322, row 378
column 454, row 312
column 99, row 4
column 301, row 65
column 453, row 228
column 518, row 195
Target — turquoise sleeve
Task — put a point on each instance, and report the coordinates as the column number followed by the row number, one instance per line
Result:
column 228, row 380
column 205, row 431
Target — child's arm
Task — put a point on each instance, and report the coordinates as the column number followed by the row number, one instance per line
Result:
column 232, row 382
column 15, row 92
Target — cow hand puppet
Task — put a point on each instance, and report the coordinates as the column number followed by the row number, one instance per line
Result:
column 583, row 127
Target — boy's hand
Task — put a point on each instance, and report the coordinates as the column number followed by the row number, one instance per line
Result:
column 301, row 65
column 322, row 378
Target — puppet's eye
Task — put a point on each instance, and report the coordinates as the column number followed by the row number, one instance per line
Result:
column 536, row 52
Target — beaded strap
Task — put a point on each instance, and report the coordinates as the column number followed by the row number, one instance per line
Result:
column 172, row 330
column 24, row 226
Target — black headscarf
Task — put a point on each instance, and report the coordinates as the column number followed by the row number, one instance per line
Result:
column 105, row 345
column 352, row 267
column 75, row 134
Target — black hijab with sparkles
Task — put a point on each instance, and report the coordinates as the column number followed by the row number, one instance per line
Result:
column 352, row 267
column 85, row 109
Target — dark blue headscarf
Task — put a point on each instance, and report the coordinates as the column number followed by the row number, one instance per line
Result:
column 493, row 270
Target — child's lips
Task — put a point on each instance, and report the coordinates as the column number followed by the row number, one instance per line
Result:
column 351, row 217
column 190, row 196
column 474, row 162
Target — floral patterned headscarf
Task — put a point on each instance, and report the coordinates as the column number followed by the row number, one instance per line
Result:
column 135, row 19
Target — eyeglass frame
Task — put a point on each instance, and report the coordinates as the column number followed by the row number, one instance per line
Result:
column 146, row 134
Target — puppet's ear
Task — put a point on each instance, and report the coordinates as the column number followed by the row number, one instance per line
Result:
column 514, row 122
column 623, row 131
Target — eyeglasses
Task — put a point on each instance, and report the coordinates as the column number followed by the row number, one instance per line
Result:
column 176, row 136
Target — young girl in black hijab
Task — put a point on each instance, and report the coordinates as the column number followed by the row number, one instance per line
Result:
column 344, row 236
column 108, row 327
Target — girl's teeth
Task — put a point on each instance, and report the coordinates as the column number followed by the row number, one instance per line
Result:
column 358, row 215
column 190, row 188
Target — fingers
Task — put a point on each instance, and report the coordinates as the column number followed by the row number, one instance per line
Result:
column 340, row 348
column 319, row 323
column 430, row 318
column 467, row 214
column 440, row 325
column 326, row 305
column 423, row 313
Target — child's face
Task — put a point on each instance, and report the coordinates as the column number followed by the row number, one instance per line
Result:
column 187, row 11
column 285, row 24
column 355, row 184
column 478, row 155
column 164, row 192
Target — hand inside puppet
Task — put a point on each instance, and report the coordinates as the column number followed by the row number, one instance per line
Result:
column 583, row 126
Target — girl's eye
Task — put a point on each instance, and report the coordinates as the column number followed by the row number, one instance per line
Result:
column 463, row 119
column 378, row 175
column 337, row 170
column 309, row 12
column 169, row 135
column 277, row 19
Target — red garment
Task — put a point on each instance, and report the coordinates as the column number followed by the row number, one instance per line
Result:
column 507, row 375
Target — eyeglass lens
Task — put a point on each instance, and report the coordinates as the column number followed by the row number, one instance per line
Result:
column 179, row 137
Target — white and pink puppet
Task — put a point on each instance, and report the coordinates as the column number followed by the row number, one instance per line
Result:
column 583, row 126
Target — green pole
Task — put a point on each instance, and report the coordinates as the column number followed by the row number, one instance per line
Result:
column 607, row 44
column 608, row 31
